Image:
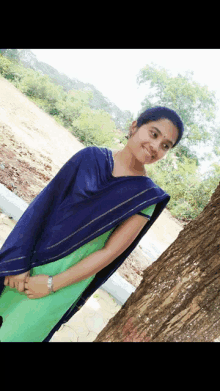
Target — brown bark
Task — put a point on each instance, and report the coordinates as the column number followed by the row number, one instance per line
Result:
column 178, row 299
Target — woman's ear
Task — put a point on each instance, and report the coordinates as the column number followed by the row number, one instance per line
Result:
column 132, row 128
column 133, row 125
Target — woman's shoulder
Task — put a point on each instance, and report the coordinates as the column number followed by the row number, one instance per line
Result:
column 114, row 151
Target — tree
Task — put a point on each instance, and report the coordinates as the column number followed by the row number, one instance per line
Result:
column 178, row 299
column 94, row 127
column 195, row 104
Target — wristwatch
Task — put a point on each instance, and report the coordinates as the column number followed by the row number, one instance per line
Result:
column 50, row 284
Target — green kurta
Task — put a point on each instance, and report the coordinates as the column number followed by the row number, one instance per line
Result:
column 31, row 320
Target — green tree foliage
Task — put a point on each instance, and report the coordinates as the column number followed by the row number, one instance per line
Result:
column 73, row 104
column 97, row 102
column 94, row 127
column 189, row 194
column 71, row 109
column 196, row 105
column 4, row 65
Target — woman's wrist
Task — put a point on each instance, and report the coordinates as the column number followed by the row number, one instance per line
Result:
column 58, row 282
column 50, row 284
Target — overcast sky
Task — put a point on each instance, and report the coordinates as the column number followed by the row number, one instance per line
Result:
column 113, row 71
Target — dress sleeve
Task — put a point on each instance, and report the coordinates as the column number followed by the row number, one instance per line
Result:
column 147, row 212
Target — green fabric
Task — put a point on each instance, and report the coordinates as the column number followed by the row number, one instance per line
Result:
column 31, row 320
column 149, row 211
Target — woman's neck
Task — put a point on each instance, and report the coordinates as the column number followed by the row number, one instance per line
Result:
column 126, row 164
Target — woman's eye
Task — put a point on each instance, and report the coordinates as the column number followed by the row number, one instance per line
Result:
column 155, row 136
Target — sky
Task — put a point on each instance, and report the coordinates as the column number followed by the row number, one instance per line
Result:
column 114, row 71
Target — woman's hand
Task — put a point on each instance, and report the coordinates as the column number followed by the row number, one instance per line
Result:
column 36, row 287
column 17, row 281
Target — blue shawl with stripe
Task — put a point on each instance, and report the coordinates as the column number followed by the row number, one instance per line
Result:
column 80, row 203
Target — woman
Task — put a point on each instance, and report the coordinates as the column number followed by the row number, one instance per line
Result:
column 80, row 228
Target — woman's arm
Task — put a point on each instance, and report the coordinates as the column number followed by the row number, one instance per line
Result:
column 36, row 286
column 117, row 243
column 120, row 239
column 82, row 270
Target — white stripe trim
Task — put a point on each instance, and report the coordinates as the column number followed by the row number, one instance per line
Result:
column 90, row 235
column 13, row 259
column 56, row 244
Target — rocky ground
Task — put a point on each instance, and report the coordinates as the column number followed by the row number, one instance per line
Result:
column 33, row 147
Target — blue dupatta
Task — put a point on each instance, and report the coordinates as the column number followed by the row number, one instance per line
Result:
column 80, row 203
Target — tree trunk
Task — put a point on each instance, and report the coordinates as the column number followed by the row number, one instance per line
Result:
column 178, row 299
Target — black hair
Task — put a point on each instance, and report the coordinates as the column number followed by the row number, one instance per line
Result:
column 157, row 113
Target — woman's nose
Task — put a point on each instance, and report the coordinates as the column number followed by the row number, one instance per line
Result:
column 154, row 150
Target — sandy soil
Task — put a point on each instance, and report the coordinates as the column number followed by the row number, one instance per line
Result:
column 33, row 147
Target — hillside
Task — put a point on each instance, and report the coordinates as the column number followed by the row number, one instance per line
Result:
column 33, row 147
column 99, row 101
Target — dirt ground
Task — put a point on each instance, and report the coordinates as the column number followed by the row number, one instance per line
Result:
column 33, row 147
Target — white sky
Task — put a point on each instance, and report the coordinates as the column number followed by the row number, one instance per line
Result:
column 113, row 71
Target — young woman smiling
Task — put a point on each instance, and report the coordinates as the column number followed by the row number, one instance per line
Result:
column 80, row 229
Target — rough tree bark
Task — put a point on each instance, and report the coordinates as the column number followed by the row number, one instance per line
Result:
column 178, row 299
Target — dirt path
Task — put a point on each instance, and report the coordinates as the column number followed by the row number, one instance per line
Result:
column 33, row 147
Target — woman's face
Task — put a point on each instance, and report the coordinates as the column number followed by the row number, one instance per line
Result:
column 153, row 140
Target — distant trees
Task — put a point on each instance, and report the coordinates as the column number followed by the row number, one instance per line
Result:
column 71, row 109
column 98, row 101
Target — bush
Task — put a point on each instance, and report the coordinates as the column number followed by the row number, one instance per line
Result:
column 5, row 63
column 43, row 104
column 68, row 111
column 189, row 195
column 94, row 127
column 183, row 210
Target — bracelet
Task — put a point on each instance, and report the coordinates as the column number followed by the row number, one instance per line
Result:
column 50, row 284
